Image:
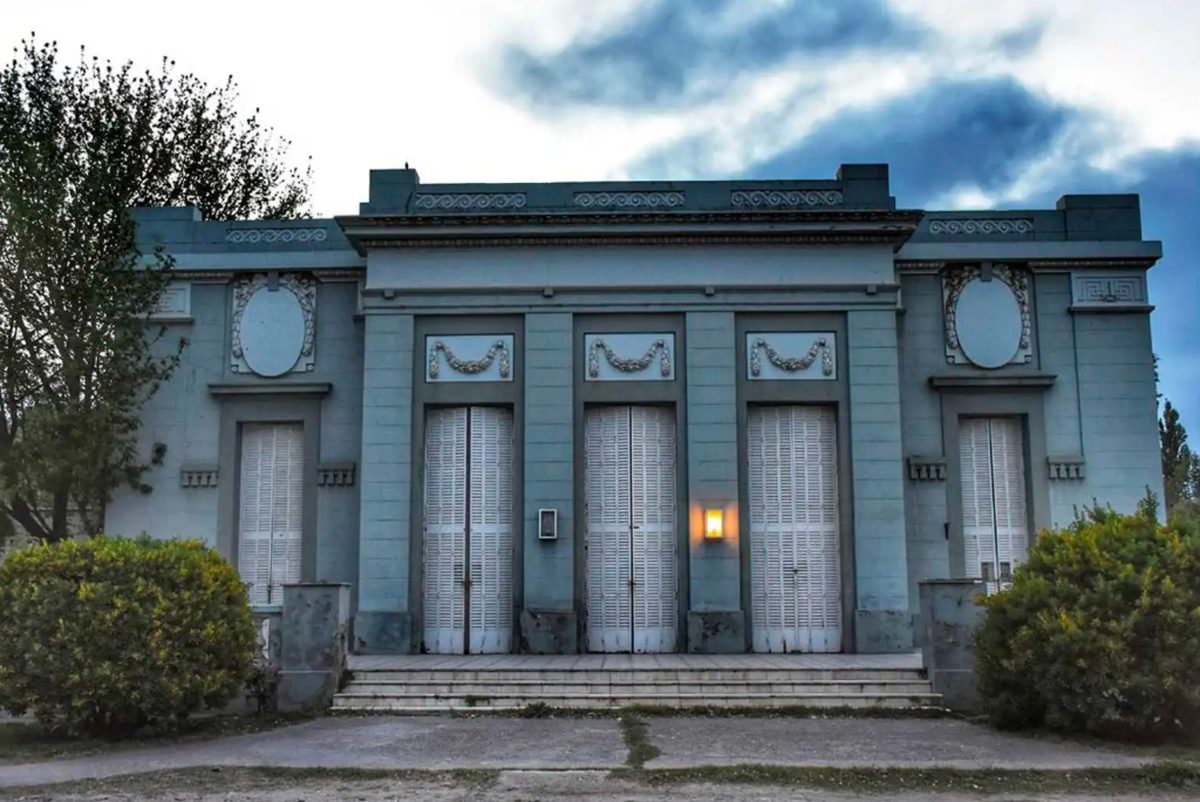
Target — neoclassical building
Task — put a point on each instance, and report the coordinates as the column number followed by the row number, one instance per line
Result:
column 711, row 416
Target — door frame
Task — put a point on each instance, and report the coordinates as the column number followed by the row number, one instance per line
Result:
column 669, row 393
column 427, row 395
column 834, row 393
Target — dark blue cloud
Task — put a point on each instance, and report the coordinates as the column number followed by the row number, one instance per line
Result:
column 672, row 52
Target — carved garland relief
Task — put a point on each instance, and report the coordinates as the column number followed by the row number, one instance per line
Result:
column 254, row 342
column 470, row 367
column 956, row 281
column 629, row 364
column 819, row 348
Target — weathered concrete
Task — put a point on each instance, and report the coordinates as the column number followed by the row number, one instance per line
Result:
column 951, row 613
column 716, row 631
column 548, row 632
column 315, row 630
column 864, row 743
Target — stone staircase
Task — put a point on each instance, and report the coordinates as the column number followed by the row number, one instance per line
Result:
column 432, row 684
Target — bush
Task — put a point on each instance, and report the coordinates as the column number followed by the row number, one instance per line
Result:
column 1100, row 631
column 106, row 635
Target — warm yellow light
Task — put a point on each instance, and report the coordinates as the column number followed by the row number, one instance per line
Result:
column 714, row 524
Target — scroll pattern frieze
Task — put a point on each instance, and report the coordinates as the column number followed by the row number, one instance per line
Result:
column 956, row 279
column 970, row 226
column 498, row 350
column 1109, row 290
column 469, row 201
column 785, row 199
column 629, row 200
column 255, row 236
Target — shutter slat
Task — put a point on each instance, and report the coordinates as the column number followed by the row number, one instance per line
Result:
column 445, row 541
column 491, row 530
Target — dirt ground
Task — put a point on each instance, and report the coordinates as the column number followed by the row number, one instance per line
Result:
column 506, row 786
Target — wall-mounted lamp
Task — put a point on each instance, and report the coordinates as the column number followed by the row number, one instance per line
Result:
column 714, row 524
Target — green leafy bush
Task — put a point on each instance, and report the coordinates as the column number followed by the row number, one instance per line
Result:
column 105, row 635
column 1100, row 631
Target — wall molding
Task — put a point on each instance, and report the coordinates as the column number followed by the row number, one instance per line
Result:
column 971, row 226
column 785, row 198
column 1066, row 467
column 927, row 469
column 191, row 476
column 468, row 201
column 336, row 474
column 269, row 235
column 629, row 200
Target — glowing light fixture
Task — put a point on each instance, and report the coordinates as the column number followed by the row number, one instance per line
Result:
column 714, row 524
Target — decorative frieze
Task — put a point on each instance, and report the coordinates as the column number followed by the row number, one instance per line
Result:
column 272, row 333
column 191, row 476
column 1108, row 290
column 958, row 281
column 493, row 363
column 629, row 200
column 468, row 201
column 175, row 303
column 784, row 198
column 266, row 236
column 336, row 474
column 980, row 226
column 1070, row 467
column 774, row 355
column 927, row 469
column 630, row 356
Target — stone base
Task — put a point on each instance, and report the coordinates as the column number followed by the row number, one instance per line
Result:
column 313, row 641
column 382, row 632
column 548, row 632
column 716, row 631
column 882, row 631
column 951, row 614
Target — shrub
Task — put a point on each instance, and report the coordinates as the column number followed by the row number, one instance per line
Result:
column 105, row 635
column 1100, row 631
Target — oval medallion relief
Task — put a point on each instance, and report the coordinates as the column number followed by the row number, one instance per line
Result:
column 272, row 331
column 987, row 319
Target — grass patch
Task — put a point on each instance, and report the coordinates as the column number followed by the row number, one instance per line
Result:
column 219, row 779
column 1174, row 776
column 637, row 741
column 28, row 741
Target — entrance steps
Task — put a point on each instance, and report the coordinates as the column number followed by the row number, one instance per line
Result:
column 432, row 684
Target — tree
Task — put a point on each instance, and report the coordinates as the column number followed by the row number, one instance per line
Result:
column 1180, row 466
column 79, row 145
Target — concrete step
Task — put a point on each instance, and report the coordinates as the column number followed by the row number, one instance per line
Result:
column 639, row 675
column 351, row 701
column 619, row 686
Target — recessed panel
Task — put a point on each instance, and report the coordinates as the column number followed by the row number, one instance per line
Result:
column 629, row 356
column 791, row 355
column 469, row 358
column 988, row 321
column 272, row 331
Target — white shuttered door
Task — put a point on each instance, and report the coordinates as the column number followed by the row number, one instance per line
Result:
column 991, row 463
column 270, row 509
column 630, row 529
column 795, row 565
column 468, row 516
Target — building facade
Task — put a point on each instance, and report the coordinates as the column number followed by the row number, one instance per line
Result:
column 646, row 416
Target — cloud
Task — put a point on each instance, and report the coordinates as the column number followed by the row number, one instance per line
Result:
column 950, row 134
column 678, row 52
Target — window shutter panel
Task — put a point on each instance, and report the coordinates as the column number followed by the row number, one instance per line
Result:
column 1008, row 460
column 975, row 474
column 445, row 529
column 271, row 509
column 607, row 528
column 652, row 500
column 491, row 530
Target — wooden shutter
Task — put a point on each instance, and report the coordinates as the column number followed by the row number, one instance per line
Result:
column 992, row 477
column 491, row 530
column 271, row 509
column 795, row 558
column 445, row 529
column 607, row 528
column 652, row 499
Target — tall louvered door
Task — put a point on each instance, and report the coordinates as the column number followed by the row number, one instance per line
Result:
column 991, row 459
column 468, row 524
column 630, row 529
column 607, row 539
column 652, row 501
column 795, row 562
column 445, row 530
column 490, row 535
column 270, row 509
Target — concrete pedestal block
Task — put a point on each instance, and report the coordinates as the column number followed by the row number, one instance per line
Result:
column 313, row 639
column 716, row 631
column 548, row 632
column 382, row 632
column 951, row 613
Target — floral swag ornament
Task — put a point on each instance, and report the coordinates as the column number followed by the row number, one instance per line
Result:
column 820, row 347
column 470, row 367
column 625, row 365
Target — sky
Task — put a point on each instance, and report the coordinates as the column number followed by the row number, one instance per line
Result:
column 996, row 104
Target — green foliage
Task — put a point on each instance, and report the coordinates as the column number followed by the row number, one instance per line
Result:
column 1180, row 465
column 79, row 145
column 1100, row 631
column 106, row 635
